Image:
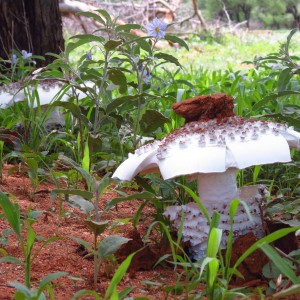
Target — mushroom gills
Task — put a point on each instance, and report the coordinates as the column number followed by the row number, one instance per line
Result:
column 195, row 228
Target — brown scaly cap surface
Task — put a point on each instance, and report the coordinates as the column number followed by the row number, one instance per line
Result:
column 204, row 108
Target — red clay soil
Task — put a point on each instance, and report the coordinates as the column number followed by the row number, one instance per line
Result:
column 67, row 256
column 205, row 107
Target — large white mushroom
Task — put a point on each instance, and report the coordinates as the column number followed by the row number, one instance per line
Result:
column 211, row 147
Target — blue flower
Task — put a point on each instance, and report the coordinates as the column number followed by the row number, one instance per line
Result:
column 89, row 56
column 14, row 58
column 157, row 28
column 26, row 54
column 145, row 76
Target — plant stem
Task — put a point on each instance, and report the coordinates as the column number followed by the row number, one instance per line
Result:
column 96, row 265
column 101, row 89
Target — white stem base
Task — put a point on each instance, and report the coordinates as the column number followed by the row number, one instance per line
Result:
column 216, row 192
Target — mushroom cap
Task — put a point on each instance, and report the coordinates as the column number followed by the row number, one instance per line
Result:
column 47, row 91
column 212, row 146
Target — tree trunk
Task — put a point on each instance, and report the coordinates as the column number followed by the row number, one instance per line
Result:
column 31, row 25
column 292, row 9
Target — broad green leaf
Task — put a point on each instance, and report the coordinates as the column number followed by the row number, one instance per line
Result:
column 285, row 118
column 110, row 245
column 78, row 201
column 284, row 79
column 144, row 45
column 204, row 263
column 234, row 204
column 34, row 214
column 213, row 268
column 48, row 279
column 280, row 263
column 96, row 228
column 119, row 101
column 114, row 294
column 128, row 27
column 11, row 259
column 175, row 39
column 74, row 110
column 176, row 289
column 118, row 78
column 22, row 288
column 266, row 99
column 103, row 184
column 32, row 164
column 105, row 14
column 140, row 41
column 73, row 45
column 256, row 172
column 168, row 58
column 86, row 158
column 152, row 120
column 81, row 293
column 30, row 239
column 198, row 201
column 215, row 220
column 214, row 241
column 125, row 292
column 12, row 213
column 112, row 44
column 143, row 195
column 288, row 39
column 71, row 163
column 83, row 243
column 89, row 38
column 95, row 16
column 84, row 194
column 118, row 276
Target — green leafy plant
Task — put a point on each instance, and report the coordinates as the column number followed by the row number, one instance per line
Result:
column 285, row 68
column 117, row 75
column 24, row 292
column 30, row 163
column 12, row 214
column 88, row 202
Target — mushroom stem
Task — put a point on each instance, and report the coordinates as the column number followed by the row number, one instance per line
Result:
column 216, row 189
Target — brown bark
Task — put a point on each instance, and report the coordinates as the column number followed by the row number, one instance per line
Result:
column 199, row 15
column 31, row 25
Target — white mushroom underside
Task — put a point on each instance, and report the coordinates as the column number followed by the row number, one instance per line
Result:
column 195, row 227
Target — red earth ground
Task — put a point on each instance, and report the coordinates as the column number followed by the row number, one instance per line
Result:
column 66, row 255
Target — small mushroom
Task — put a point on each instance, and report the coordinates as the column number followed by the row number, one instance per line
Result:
column 47, row 91
column 211, row 147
